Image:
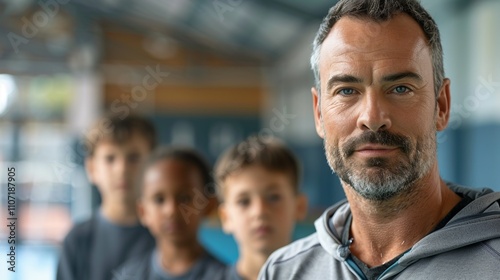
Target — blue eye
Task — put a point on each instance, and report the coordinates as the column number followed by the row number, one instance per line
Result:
column 346, row 91
column 401, row 89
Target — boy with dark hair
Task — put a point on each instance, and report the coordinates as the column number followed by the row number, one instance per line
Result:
column 258, row 183
column 174, row 198
column 92, row 249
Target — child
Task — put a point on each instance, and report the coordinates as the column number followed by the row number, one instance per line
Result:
column 116, row 149
column 174, row 199
column 258, row 183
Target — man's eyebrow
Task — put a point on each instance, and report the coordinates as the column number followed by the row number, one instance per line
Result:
column 402, row 75
column 345, row 78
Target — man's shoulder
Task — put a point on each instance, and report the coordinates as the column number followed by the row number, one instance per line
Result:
column 296, row 251
column 303, row 259
column 471, row 192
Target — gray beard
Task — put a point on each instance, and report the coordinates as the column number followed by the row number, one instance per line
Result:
column 378, row 179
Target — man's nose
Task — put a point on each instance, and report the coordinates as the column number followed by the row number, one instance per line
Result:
column 374, row 112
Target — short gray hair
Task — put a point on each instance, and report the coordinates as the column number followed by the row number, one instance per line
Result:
column 378, row 11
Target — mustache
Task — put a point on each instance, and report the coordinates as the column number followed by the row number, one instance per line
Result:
column 380, row 137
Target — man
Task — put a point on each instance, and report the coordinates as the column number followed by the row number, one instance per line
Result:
column 380, row 98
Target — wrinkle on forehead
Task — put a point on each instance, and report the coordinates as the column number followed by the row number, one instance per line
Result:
column 351, row 45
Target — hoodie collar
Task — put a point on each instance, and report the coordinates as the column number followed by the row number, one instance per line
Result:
column 477, row 222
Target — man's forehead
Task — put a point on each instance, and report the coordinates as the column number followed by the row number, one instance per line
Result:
column 354, row 44
column 398, row 35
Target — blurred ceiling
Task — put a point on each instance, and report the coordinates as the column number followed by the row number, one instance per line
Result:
column 52, row 30
column 64, row 32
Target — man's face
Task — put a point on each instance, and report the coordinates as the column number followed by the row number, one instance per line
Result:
column 377, row 111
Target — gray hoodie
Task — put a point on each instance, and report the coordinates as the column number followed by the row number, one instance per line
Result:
column 467, row 247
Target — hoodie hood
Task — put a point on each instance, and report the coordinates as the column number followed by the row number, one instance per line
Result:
column 477, row 222
column 466, row 247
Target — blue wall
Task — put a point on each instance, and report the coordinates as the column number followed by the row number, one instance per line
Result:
column 470, row 155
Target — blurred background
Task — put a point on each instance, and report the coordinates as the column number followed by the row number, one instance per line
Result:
column 223, row 70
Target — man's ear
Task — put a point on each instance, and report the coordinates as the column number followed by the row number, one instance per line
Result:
column 301, row 207
column 317, row 112
column 224, row 219
column 443, row 106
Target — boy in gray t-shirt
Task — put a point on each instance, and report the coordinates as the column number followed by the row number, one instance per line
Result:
column 92, row 249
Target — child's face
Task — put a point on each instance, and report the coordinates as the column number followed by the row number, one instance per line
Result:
column 172, row 203
column 113, row 168
column 260, row 209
